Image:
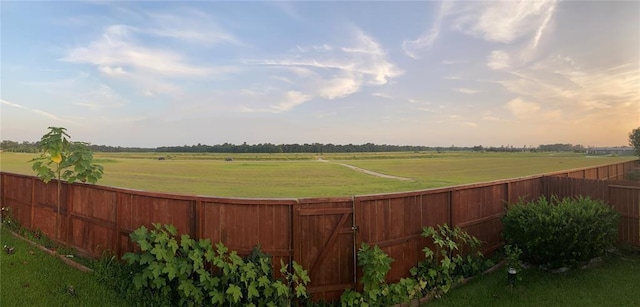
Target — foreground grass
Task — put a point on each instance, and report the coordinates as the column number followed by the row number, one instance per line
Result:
column 301, row 175
column 613, row 283
column 30, row 277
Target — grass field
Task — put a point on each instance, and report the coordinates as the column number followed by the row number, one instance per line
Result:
column 31, row 277
column 302, row 175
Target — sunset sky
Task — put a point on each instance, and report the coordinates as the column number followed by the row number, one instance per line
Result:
column 408, row 73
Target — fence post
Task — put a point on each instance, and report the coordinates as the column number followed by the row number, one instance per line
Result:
column 198, row 219
column 116, row 231
column 69, row 208
column 33, row 202
column 2, row 183
column 354, row 227
column 451, row 197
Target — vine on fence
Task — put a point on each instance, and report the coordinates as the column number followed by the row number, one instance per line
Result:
column 456, row 256
column 188, row 272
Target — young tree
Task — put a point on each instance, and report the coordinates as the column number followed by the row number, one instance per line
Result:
column 62, row 159
column 634, row 140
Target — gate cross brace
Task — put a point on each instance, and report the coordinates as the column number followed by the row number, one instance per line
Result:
column 332, row 238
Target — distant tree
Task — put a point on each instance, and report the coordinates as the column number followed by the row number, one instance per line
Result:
column 634, row 140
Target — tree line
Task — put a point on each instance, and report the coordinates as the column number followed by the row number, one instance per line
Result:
column 32, row 147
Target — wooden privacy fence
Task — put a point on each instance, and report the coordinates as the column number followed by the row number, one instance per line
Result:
column 322, row 234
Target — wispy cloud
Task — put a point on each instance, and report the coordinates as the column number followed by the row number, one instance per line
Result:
column 48, row 115
column 546, row 15
column 506, row 21
column 117, row 51
column 112, row 71
column 499, row 60
column 125, row 52
column 190, row 26
column 287, row 7
column 9, row 103
column 521, row 108
column 37, row 111
column 81, row 90
column 101, row 97
column 561, row 82
column 383, row 95
column 452, row 62
column 467, row 91
column 290, row 100
column 428, row 38
column 330, row 72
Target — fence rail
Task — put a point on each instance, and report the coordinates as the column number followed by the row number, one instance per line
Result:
column 322, row 234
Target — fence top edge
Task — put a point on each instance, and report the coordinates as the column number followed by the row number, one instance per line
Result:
column 453, row 188
column 317, row 200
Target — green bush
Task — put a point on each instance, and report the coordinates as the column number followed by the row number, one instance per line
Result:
column 633, row 175
column 184, row 272
column 455, row 257
column 556, row 233
column 375, row 264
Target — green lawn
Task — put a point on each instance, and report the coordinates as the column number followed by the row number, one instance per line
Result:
column 301, row 175
column 452, row 169
column 613, row 283
column 30, row 277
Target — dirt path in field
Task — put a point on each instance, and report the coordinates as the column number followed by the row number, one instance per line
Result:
column 368, row 172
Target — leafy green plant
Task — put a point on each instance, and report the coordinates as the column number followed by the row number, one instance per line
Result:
column 8, row 220
column 555, row 233
column 633, row 175
column 375, row 264
column 513, row 266
column 634, row 140
column 14, row 225
column 62, row 159
column 455, row 256
column 512, row 255
column 189, row 272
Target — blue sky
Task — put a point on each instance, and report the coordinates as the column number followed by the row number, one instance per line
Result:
column 416, row 73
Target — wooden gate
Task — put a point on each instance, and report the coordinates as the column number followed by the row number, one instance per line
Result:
column 323, row 240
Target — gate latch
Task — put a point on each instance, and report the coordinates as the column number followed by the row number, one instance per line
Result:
column 355, row 228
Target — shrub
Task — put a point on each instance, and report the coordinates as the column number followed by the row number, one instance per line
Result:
column 8, row 221
column 186, row 272
column 375, row 264
column 118, row 276
column 556, row 233
column 455, row 257
column 632, row 175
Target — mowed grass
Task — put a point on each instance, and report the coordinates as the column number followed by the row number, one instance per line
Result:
column 452, row 169
column 301, row 175
column 613, row 283
column 30, row 277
